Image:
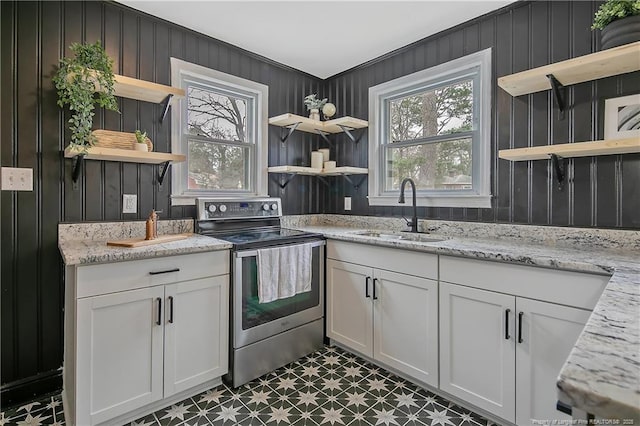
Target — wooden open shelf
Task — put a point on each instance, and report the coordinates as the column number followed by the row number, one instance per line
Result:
column 578, row 149
column 606, row 63
column 125, row 155
column 314, row 126
column 300, row 170
column 141, row 90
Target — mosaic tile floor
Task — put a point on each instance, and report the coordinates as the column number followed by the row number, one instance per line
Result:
column 328, row 387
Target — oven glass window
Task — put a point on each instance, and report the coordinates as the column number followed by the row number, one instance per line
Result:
column 255, row 313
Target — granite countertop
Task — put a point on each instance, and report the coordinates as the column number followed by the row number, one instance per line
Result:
column 602, row 374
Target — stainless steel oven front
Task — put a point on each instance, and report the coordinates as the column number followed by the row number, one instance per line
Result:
column 254, row 321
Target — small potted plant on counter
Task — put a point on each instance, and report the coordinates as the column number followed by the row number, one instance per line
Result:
column 619, row 21
column 141, row 141
column 313, row 105
column 77, row 80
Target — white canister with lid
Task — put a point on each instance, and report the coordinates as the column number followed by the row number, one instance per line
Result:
column 316, row 160
column 325, row 154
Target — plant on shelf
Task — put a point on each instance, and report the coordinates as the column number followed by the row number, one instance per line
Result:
column 619, row 21
column 76, row 81
column 141, row 141
column 313, row 105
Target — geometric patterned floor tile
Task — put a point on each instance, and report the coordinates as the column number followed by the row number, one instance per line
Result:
column 327, row 387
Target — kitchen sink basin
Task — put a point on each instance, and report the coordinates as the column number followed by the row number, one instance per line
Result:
column 402, row 236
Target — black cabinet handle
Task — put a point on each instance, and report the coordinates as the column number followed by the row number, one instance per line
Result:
column 561, row 406
column 506, row 324
column 170, row 309
column 520, row 315
column 164, row 272
column 366, row 286
column 159, row 320
column 375, row 280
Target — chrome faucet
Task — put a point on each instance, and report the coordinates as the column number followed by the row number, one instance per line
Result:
column 413, row 223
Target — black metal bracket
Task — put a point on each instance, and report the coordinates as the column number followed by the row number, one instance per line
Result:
column 558, row 94
column 292, row 128
column 164, row 167
column 323, row 180
column 283, row 183
column 348, row 131
column 166, row 103
column 324, row 136
column 355, row 185
column 76, row 169
column 558, row 169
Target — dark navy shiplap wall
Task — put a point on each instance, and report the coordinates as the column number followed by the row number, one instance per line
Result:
column 602, row 191
column 35, row 35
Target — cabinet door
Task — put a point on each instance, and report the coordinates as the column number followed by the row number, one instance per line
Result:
column 349, row 309
column 477, row 353
column 196, row 332
column 549, row 332
column 406, row 324
column 119, row 350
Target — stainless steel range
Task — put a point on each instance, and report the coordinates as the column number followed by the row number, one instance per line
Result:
column 267, row 335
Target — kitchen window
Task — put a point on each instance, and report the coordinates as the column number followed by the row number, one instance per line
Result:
column 221, row 127
column 434, row 127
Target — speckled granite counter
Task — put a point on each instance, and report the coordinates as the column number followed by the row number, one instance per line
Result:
column 85, row 243
column 602, row 374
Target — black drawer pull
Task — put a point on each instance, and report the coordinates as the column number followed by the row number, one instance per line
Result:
column 506, row 324
column 565, row 408
column 375, row 280
column 159, row 320
column 164, row 272
column 520, row 315
column 366, row 286
column 170, row 309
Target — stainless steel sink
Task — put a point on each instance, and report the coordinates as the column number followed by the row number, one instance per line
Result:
column 406, row 236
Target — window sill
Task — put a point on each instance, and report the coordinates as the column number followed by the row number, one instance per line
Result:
column 477, row 201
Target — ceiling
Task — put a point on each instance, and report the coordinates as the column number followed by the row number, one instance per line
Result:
column 322, row 38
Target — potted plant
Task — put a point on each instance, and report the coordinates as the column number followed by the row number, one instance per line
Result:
column 619, row 21
column 313, row 105
column 141, row 141
column 77, row 79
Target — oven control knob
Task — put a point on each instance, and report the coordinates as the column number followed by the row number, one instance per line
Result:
column 265, row 207
column 223, row 208
column 212, row 208
column 274, row 206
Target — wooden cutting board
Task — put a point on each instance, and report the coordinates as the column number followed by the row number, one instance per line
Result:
column 141, row 242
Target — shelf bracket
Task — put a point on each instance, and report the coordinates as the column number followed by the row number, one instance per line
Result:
column 356, row 186
column 558, row 94
column 77, row 168
column 292, row 128
column 164, row 167
column 558, row 169
column 348, row 131
column 283, row 183
column 323, row 180
column 166, row 103
column 324, row 136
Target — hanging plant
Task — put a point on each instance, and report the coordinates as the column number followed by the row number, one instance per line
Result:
column 77, row 80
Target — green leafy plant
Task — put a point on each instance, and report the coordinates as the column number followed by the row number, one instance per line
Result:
column 613, row 10
column 77, row 79
column 312, row 102
column 141, row 137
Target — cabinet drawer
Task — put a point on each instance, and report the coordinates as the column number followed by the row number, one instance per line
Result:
column 392, row 259
column 577, row 289
column 119, row 276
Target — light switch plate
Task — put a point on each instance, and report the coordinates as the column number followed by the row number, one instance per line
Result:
column 347, row 203
column 17, row 179
column 129, row 203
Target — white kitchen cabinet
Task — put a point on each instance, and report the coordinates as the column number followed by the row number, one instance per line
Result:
column 159, row 333
column 549, row 332
column 388, row 316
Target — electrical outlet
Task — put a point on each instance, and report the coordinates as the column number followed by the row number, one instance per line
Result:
column 347, row 203
column 129, row 203
column 17, row 179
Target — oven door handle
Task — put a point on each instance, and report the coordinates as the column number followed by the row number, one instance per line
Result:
column 249, row 253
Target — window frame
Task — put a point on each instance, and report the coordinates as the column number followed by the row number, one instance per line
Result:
column 184, row 74
column 478, row 67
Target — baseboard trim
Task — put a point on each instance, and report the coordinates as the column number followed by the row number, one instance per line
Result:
column 27, row 389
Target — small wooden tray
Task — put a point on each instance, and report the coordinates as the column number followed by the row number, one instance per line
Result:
column 120, row 140
column 140, row 242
